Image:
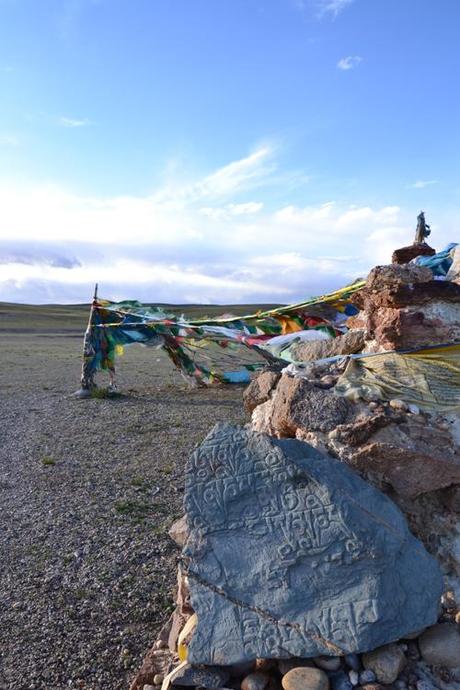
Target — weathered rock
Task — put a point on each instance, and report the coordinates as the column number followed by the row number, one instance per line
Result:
column 399, row 328
column 440, row 645
column 412, row 456
column 276, row 528
column 255, row 681
column 305, row 679
column 298, row 404
column 392, row 276
column 179, row 531
column 360, row 430
column 259, row 389
column 386, row 662
column 406, row 254
column 206, row 677
column 349, row 343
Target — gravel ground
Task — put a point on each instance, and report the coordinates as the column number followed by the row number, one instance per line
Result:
column 88, row 490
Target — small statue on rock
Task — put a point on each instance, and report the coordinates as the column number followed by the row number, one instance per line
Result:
column 423, row 229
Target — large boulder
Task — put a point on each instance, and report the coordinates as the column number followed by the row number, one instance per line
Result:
column 412, row 456
column 259, row 389
column 299, row 404
column 290, row 553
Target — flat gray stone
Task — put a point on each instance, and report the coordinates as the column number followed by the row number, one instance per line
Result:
column 292, row 554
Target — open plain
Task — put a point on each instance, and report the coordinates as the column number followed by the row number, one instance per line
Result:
column 88, row 490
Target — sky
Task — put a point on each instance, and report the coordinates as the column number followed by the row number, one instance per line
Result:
column 221, row 151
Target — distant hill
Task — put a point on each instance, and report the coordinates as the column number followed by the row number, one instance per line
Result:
column 72, row 318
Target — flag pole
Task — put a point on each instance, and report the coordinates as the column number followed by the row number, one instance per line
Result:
column 87, row 383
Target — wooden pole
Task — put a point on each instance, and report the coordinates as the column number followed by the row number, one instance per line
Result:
column 87, row 373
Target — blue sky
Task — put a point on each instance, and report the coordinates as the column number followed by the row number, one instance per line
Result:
column 221, row 151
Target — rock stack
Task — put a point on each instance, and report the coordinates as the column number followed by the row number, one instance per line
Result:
column 321, row 544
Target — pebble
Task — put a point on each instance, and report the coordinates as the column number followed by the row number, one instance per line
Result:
column 158, row 679
column 440, row 645
column 386, row 662
column 305, row 678
column 340, row 681
column 327, row 663
column 354, row 677
column 265, row 664
column 149, row 687
column 255, row 681
column 400, row 684
column 448, row 601
column 160, row 644
column 413, row 409
column 366, row 677
column 397, row 404
column 353, row 661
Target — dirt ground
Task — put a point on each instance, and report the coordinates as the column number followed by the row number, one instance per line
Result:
column 88, row 490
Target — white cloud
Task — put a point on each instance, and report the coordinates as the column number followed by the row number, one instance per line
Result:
column 333, row 7
column 349, row 62
column 421, row 184
column 73, row 122
column 229, row 210
column 170, row 247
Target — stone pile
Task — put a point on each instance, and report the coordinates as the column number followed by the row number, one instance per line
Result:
column 297, row 574
column 317, row 542
column 411, row 454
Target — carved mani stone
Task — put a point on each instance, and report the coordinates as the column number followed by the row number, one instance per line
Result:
column 290, row 553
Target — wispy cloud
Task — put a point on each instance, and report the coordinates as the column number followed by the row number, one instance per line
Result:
column 421, row 184
column 232, row 179
column 349, row 62
column 74, row 122
column 333, row 7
